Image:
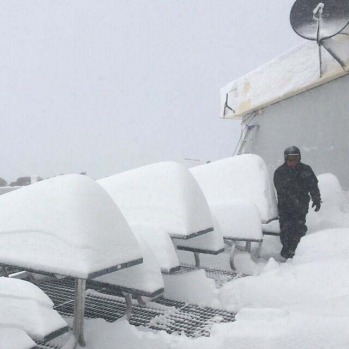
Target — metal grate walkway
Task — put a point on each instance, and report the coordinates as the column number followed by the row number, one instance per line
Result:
column 162, row 314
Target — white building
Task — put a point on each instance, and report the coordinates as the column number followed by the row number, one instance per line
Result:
column 286, row 102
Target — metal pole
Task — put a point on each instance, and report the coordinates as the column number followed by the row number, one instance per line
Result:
column 79, row 310
column 197, row 260
column 232, row 253
column 128, row 299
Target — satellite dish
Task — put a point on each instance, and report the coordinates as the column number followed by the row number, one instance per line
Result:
column 318, row 20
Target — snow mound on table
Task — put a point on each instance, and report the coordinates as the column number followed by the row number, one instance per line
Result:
column 238, row 219
column 65, row 225
column 27, row 309
column 163, row 195
column 20, row 289
column 15, row 338
column 211, row 243
column 240, row 177
column 143, row 278
column 161, row 245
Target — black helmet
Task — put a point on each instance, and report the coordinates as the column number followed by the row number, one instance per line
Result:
column 293, row 150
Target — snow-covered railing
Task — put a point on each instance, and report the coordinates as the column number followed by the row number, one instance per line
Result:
column 68, row 226
column 164, row 197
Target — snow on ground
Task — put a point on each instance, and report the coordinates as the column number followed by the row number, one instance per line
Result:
column 302, row 303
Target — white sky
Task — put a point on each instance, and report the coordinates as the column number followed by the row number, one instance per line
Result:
column 105, row 86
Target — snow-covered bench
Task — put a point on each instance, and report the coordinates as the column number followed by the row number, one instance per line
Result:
column 15, row 338
column 165, row 198
column 68, row 226
column 240, row 195
column 210, row 243
column 25, row 307
column 143, row 281
column 239, row 221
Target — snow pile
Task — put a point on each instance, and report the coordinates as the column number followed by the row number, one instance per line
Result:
column 335, row 207
column 317, row 275
column 163, row 195
column 193, row 287
column 293, row 72
column 164, row 198
column 242, row 177
column 15, row 338
column 145, row 278
column 160, row 243
column 238, row 219
column 4, row 190
column 65, row 225
column 211, row 242
column 303, row 303
column 25, row 307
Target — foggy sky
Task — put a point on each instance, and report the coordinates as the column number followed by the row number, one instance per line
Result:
column 108, row 85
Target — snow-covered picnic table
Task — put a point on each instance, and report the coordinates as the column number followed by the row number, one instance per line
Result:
column 28, row 312
column 240, row 195
column 67, row 225
column 164, row 198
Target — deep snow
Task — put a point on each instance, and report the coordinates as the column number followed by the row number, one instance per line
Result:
column 300, row 303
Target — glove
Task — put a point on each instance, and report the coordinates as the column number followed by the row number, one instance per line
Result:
column 317, row 205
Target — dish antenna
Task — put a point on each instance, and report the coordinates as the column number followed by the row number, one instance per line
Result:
column 321, row 21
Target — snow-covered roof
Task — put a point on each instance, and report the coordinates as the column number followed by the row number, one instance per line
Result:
column 242, row 177
column 163, row 195
column 289, row 74
column 65, row 225
column 24, row 306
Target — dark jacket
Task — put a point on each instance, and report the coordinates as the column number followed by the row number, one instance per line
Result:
column 293, row 187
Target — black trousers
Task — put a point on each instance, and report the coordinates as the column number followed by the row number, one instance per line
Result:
column 292, row 227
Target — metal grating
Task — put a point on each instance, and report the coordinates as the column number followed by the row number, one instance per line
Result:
column 221, row 277
column 162, row 314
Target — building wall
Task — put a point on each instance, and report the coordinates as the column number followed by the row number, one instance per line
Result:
column 317, row 121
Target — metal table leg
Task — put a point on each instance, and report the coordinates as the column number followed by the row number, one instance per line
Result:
column 197, row 260
column 79, row 310
column 232, row 254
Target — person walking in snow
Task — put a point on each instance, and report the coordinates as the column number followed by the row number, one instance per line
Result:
column 294, row 181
